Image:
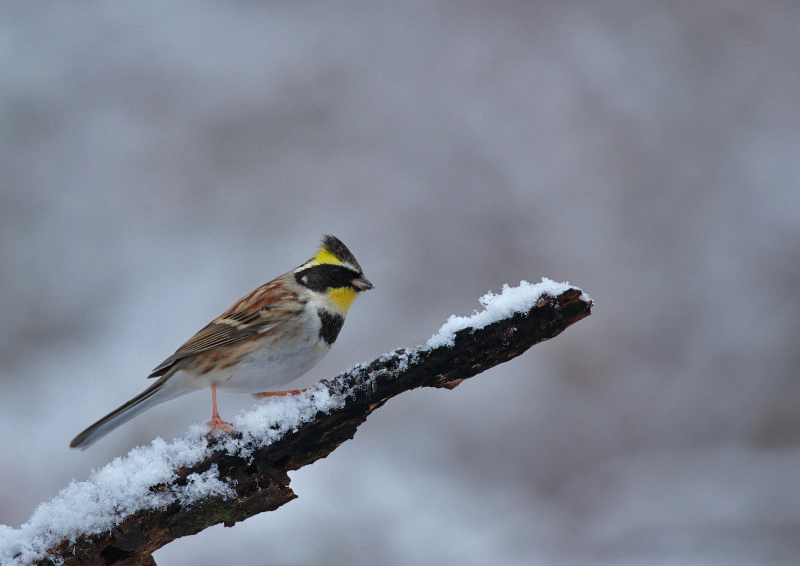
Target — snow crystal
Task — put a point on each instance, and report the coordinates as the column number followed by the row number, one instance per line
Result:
column 200, row 486
column 268, row 422
column 511, row 300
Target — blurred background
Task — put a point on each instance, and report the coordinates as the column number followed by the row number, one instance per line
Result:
column 159, row 160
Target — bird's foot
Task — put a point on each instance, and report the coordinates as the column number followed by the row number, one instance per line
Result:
column 217, row 423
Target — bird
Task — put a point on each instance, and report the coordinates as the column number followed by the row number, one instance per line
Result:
column 266, row 339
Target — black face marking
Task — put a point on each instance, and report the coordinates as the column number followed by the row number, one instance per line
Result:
column 331, row 325
column 325, row 276
column 337, row 248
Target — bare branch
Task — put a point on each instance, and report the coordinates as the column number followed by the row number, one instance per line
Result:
column 260, row 476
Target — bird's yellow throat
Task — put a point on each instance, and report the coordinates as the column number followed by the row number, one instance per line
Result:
column 343, row 297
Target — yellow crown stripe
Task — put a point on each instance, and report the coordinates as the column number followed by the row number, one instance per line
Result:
column 323, row 256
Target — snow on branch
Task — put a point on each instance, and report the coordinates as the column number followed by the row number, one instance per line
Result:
column 163, row 491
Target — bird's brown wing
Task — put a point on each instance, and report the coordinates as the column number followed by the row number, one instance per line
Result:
column 261, row 311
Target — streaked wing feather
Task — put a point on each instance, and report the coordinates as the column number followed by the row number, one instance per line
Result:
column 241, row 321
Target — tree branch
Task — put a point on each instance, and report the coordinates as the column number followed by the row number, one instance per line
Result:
column 255, row 477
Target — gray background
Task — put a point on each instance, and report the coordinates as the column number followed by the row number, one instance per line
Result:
column 159, row 160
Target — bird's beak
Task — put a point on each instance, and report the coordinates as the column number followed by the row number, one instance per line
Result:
column 362, row 283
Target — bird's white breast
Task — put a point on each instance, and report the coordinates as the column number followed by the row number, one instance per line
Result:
column 271, row 363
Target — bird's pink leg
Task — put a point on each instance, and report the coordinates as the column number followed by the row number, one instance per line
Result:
column 281, row 393
column 216, row 422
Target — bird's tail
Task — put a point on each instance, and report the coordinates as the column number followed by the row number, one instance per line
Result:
column 166, row 388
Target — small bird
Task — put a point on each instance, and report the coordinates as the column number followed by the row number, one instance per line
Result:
column 266, row 339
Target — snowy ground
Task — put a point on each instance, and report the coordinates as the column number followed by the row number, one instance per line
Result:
column 159, row 161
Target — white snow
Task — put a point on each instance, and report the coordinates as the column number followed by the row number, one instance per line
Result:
column 511, row 300
column 123, row 486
